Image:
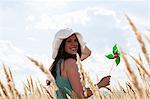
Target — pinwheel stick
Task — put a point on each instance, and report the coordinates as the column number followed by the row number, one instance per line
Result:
column 111, row 68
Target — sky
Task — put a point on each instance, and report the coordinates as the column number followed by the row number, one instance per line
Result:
column 27, row 28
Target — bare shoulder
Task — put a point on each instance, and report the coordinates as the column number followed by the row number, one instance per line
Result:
column 70, row 61
column 71, row 69
column 70, row 64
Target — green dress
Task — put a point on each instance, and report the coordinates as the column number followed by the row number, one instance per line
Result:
column 64, row 86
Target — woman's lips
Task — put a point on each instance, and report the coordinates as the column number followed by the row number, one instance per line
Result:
column 74, row 49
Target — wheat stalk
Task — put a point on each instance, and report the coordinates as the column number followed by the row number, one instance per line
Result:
column 141, row 66
column 48, row 93
column 4, row 91
column 85, row 79
column 133, row 78
column 45, row 71
column 17, row 93
column 140, row 39
column 10, row 83
column 25, row 92
column 6, row 74
column 38, row 90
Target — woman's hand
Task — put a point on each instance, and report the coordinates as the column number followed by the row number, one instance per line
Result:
column 105, row 81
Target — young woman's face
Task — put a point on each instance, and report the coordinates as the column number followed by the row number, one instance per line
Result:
column 71, row 44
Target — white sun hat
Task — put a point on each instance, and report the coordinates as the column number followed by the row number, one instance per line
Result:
column 65, row 33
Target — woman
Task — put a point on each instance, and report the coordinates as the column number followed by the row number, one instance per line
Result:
column 64, row 68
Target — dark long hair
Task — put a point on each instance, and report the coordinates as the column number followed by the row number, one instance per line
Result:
column 62, row 54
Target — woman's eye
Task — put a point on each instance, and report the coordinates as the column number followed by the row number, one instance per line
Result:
column 75, row 41
column 69, row 41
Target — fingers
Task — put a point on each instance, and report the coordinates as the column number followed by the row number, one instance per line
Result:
column 108, row 76
column 109, row 82
column 108, row 79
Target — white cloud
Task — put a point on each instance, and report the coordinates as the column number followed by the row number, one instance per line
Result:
column 40, row 6
column 105, row 12
column 141, row 23
column 60, row 21
column 18, row 63
column 16, row 57
column 31, row 38
column 30, row 18
column 79, row 17
column 6, row 45
column 9, row 53
column 43, row 18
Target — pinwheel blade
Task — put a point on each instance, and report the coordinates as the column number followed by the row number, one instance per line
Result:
column 117, row 61
column 115, row 49
column 110, row 56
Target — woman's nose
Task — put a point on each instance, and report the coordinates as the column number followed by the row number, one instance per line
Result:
column 74, row 43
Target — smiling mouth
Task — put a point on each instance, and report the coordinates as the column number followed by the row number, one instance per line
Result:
column 74, row 49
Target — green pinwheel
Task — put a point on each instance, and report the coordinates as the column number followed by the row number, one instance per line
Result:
column 115, row 55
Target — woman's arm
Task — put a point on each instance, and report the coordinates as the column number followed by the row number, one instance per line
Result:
column 74, row 78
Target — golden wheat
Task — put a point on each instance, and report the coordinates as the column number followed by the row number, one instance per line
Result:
column 133, row 78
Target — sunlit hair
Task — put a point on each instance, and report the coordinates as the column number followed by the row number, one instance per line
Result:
column 62, row 54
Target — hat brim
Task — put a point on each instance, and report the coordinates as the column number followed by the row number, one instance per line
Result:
column 86, row 53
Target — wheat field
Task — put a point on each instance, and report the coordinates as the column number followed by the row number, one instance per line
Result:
column 134, row 89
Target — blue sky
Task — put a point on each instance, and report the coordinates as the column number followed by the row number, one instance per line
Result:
column 27, row 27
